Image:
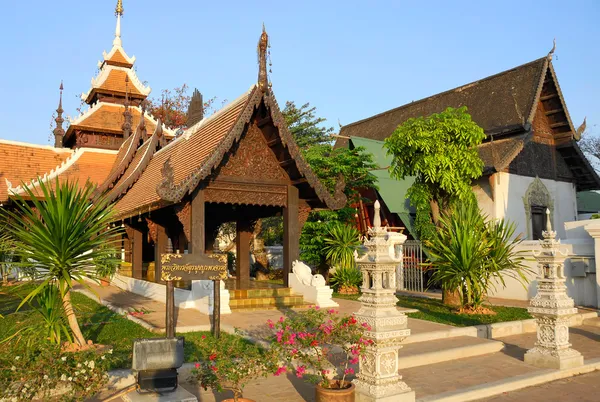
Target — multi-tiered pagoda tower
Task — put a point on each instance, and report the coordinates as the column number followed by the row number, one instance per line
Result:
column 115, row 88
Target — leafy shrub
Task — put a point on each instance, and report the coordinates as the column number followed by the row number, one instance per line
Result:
column 41, row 371
column 340, row 244
column 346, row 277
column 314, row 340
column 107, row 263
column 468, row 252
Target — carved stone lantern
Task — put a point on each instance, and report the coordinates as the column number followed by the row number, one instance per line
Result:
column 378, row 378
column 552, row 308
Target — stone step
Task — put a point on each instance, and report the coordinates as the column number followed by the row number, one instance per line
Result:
column 443, row 350
column 259, row 293
column 261, row 303
column 592, row 322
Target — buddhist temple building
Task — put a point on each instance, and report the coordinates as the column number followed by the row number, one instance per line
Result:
column 171, row 193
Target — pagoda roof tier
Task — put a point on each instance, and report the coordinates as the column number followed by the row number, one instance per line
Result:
column 83, row 165
column 179, row 167
column 108, row 118
column 117, row 57
column 112, row 81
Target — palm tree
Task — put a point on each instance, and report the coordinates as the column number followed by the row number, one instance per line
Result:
column 60, row 234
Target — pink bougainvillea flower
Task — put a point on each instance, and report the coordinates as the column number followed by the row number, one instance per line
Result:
column 349, row 370
column 281, row 319
column 332, row 311
column 203, row 336
column 212, row 357
column 214, row 368
column 300, row 371
column 314, row 343
column 280, row 371
column 197, row 365
column 279, row 335
column 354, row 360
column 270, row 323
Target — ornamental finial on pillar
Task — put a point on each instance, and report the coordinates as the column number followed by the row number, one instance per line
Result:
column 59, row 132
column 262, row 49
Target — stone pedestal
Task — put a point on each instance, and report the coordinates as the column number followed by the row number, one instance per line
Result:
column 179, row 395
column 378, row 378
column 552, row 308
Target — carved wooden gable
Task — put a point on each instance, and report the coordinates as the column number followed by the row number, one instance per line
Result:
column 250, row 174
column 252, row 158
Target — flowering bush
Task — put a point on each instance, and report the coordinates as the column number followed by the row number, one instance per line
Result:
column 230, row 362
column 320, row 343
column 42, row 370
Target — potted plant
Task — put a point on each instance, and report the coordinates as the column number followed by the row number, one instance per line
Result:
column 230, row 362
column 324, row 347
column 106, row 266
column 346, row 280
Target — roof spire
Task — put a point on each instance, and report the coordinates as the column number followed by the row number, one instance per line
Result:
column 263, row 45
column 551, row 53
column 118, row 13
column 127, row 114
column 195, row 111
column 59, row 132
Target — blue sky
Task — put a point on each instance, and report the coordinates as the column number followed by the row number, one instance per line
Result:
column 350, row 59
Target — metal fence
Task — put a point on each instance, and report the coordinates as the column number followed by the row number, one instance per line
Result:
column 409, row 274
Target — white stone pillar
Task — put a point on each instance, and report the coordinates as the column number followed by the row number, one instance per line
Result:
column 378, row 379
column 552, row 308
column 594, row 230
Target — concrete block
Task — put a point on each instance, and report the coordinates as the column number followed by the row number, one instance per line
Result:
column 179, row 395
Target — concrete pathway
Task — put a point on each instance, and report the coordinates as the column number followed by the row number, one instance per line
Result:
column 582, row 388
column 250, row 321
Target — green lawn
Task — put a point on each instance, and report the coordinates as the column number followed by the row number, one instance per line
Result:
column 434, row 310
column 97, row 322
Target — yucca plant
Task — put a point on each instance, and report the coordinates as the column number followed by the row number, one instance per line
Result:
column 468, row 252
column 60, row 233
column 346, row 280
column 340, row 244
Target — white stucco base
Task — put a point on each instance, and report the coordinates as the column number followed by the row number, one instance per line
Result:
column 199, row 298
column 318, row 295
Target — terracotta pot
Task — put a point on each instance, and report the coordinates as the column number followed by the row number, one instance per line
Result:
column 334, row 394
column 105, row 281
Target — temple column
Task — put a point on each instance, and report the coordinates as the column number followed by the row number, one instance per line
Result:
column 198, row 218
column 244, row 235
column 291, row 233
column 137, row 240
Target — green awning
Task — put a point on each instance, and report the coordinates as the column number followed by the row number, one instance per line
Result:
column 391, row 191
column 588, row 202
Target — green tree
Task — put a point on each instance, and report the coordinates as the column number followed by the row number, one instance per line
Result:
column 305, row 126
column 60, row 234
column 440, row 151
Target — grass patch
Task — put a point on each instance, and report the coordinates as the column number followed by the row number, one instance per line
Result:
column 434, row 310
column 346, row 297
column 97, row 322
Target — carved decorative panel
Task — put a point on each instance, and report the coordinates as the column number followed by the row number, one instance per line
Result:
column 184, row 212
column 303, row 212
column 152, row 230
column 246, row 193
column 253, row 159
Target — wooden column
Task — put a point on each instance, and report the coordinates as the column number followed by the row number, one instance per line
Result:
column 160, row 247
column 197, row 232
column 244, row 235
column 291, row 233
column 137, row 240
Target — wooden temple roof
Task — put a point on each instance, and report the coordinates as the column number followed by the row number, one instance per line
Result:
column 508, row 106
column 83, row 165
column 178, row 168
column 112, row 81
column 24, row 162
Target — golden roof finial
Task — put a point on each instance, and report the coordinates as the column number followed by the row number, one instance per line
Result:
column 262, row 49
column 119, row 9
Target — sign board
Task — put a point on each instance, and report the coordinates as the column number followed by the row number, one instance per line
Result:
column 193, row 267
